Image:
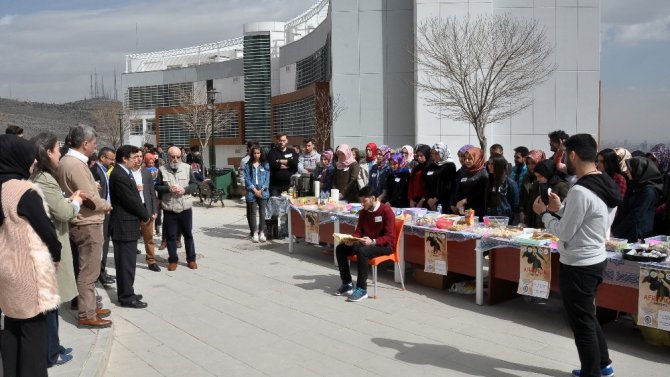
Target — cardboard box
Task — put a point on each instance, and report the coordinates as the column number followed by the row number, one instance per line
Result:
column 429, row 279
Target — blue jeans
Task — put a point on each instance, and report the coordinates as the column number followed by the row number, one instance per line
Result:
column 179, row 223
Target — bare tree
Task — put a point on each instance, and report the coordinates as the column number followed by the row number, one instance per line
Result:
column 106, row 123
column 481, row 70
column 196, row 117
column 326, row 111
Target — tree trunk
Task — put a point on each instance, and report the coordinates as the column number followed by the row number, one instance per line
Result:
column 479, row 129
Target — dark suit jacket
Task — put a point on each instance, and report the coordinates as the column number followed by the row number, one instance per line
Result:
column 128, row 209
column 99, row 176
column 150, row 198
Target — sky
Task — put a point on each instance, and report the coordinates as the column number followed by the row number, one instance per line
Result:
column 49, row 49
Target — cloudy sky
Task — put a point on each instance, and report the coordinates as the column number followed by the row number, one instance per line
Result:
column 49, row 49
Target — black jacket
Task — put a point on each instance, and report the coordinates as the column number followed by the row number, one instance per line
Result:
column 396, row 189
column 438, row 183
column 473, row 188
column 281, row 178
column 100, row 177
column 128, row 209
column 150, row 198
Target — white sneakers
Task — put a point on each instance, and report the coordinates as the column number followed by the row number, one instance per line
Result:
column 259, row 237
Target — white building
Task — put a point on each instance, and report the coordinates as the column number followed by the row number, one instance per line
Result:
column 360, row 51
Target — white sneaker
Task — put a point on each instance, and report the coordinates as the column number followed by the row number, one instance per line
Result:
column 255, row 237
column 262, row 237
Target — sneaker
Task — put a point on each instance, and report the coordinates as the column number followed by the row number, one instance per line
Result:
column 261, row 237
column 607, row 371
column 255, row 237
column 62, row 359
column 344, row 289
column 358, row 295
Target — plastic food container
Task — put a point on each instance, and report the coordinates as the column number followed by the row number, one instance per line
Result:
column 496, row 221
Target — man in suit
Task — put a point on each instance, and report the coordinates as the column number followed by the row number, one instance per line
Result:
column 127, row 214
column 106, row 158
column 145, row 186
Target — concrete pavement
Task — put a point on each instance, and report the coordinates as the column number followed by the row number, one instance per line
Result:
column 255, row 310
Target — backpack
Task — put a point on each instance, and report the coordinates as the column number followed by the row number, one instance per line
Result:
column 363, row 176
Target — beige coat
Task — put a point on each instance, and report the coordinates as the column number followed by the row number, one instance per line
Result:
column 72, row 175
column 61, row 212
column 28, row 284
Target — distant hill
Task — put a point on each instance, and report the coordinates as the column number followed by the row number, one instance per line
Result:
column 36, row 117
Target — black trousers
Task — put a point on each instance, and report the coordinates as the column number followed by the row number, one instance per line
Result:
column 105, row 244
column 125, row 261
column 53, row 340
column 179, row 223
column 256, row 207
column 578, row 286
column 363, row 253
column 23, row 347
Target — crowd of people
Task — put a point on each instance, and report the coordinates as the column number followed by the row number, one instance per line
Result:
column 59, row 209
column 427, row 177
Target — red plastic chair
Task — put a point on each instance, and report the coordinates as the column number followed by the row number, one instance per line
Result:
column 395, row 257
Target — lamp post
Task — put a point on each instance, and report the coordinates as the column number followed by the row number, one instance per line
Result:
column 120, row 115
column 211, row 97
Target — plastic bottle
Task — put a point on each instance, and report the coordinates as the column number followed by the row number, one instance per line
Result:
column 439, row 208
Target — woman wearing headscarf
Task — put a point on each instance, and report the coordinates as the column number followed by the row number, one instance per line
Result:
column 29, row 255
column 346, row 174
column 472, row 187
column 460, row 173
column 635, row 216
column 380, row 171
column 416, row 192
column 408, row 154
column 622, row 154
column 502, row 193
column 530, row 190
column 438, row 178
column 371, row 155
column 62, row 210
column 325, row 170
column 660, row 154
column 397, row 182
column 608, row 163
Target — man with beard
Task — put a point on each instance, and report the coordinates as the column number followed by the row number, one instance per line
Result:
column 283, row 164
column 175, row 180
column 582, row 223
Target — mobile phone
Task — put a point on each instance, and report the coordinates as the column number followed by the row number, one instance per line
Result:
column 544, row 193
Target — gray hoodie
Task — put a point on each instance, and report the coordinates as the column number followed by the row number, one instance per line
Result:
column 583, row 227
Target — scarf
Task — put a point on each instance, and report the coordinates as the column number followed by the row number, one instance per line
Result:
column 645, row 173
column 328, row 155
column 444, row 152
column 661, row 153
column 349, row 157
column 402, row 162
column 622, row 155
column 386, row 155
column 465, row 148
column 16, row 159
column 425, row 150
column 373, row 148
column 478, row 158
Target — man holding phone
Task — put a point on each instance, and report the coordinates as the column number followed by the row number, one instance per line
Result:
column 175, row 180
column 581, row 223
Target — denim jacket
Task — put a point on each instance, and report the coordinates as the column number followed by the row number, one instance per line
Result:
column 257, row 178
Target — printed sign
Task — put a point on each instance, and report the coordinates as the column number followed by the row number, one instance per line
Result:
column 654, row 298
column 312, row 227
column 535, row 271
column 435, row 247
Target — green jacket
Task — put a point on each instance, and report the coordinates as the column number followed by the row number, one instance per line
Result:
column 61, row 212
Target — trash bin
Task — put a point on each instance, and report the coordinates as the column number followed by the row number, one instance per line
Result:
column 223, row 178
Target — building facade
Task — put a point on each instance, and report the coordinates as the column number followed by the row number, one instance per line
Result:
column 359, row 54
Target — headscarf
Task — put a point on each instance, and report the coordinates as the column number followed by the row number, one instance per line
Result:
column 425, row 150
column 410, row 152
column 622, row 155
column 465, row 148
column 373, row 148
column 661, row 153
column 478, row 158
column 349, row 157
column 402, row 162
column 17, row 157
column 645, row 173
column 547, row 169
column 149, row 157
column 328, row 155
column 444, row 152
column 537, row 156
column 386, row 155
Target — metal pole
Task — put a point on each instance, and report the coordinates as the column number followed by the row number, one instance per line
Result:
column 120, row 130
column 213, row 148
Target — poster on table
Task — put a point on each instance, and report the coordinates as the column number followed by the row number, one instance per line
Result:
column 535, row 271
column 654, row 298
column 312, row 227
column 435, row 247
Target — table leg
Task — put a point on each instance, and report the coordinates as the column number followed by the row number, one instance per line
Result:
column 290, row 232
column 479, row 274
column 400, row 267
column 336, row 229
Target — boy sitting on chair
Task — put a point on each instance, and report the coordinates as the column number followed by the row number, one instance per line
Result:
column 376, row 228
